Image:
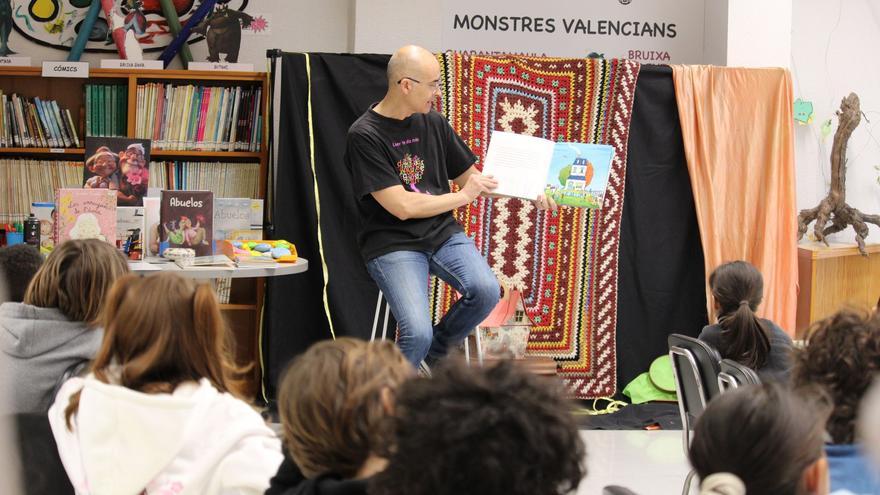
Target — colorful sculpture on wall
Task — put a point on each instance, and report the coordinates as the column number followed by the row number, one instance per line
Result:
column 57, row 23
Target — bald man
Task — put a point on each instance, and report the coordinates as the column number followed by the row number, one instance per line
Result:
column 402, row 155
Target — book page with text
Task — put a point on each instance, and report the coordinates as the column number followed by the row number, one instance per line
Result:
column 519, row 162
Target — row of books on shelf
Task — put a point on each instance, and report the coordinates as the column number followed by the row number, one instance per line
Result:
column 34, row 122
column 225, row 179
column 192, row 117
column 25, row 181
column 105, row 109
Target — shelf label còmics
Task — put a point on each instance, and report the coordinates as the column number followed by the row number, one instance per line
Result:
column 66, row 69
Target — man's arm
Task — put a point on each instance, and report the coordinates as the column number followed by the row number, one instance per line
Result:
column 542, row 202
column 462, row 179
column 404, row 204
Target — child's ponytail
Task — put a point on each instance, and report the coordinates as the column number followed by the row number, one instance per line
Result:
column 744, row 337
column 738, row 289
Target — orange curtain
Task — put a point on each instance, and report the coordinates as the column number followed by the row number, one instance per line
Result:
column 738, row 140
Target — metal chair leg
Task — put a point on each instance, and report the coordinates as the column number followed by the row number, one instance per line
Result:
column 686, row 489
column 479, row 346
column 385, row 322
column 376, row 316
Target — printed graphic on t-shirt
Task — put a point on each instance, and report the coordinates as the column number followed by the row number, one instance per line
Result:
column 410, row 169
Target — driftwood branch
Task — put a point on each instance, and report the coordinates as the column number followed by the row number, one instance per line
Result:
column 833, row 207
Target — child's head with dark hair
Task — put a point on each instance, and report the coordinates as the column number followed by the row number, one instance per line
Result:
column 492, row 431
column 842, row 356
column 19, row 264
column 765, row 435
column 737, row 288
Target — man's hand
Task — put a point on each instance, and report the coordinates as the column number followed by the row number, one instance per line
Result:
column 478, row 184
column 545, row 203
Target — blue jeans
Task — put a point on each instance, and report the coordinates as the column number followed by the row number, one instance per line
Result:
column 403, row 278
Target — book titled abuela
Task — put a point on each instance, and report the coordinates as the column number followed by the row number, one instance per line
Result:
column 186, row 221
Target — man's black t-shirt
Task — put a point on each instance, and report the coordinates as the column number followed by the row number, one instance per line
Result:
column 421, row 153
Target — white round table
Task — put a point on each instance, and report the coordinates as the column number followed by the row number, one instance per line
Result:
column 251, row 271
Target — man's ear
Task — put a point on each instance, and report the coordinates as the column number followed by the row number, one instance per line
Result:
column 816, row 477
column 406, row 86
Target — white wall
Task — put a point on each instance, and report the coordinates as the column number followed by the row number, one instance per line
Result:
column 759, row 33
column 715, row 32
column 834, row 52
column 381, row 26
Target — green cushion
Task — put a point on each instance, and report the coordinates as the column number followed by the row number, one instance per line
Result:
column 661, row 373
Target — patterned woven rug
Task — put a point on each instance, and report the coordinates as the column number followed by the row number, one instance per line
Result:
column 564, row 262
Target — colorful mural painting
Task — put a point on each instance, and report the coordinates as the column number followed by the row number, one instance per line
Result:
column 56, row 23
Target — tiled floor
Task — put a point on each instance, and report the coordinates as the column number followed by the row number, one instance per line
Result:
column 646, row 462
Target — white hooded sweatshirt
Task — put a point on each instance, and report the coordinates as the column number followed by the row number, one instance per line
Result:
column 195, row 440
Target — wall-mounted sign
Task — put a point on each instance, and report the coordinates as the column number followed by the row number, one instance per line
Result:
column 671, row 31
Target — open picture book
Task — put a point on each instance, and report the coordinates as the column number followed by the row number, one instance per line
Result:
column 573, row 174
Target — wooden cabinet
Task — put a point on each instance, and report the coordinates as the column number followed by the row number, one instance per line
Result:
column 832, row 277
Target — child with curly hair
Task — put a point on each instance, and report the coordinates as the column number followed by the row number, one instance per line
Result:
column 488, row 431
column 19, row 263
column 842, row 356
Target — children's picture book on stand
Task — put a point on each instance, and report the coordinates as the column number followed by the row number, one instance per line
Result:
column 573, row 174
column 118, row 164
column 85, row 214
column 186, row 221
column 231, row 215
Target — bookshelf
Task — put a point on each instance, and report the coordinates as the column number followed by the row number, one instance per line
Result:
column 243, row 312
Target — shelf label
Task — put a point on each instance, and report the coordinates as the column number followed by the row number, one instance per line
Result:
column 113, row 63
column 220, row 66
column 66, row 69
column 56, row 150
column 15, row 61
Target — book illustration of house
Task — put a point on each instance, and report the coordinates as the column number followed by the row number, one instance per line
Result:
column 581, row 174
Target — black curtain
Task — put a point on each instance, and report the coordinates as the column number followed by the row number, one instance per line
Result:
column 661, row 262
column 660, row 285
column 343, row 86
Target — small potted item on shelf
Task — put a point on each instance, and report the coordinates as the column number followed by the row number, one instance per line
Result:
column 259, row 251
